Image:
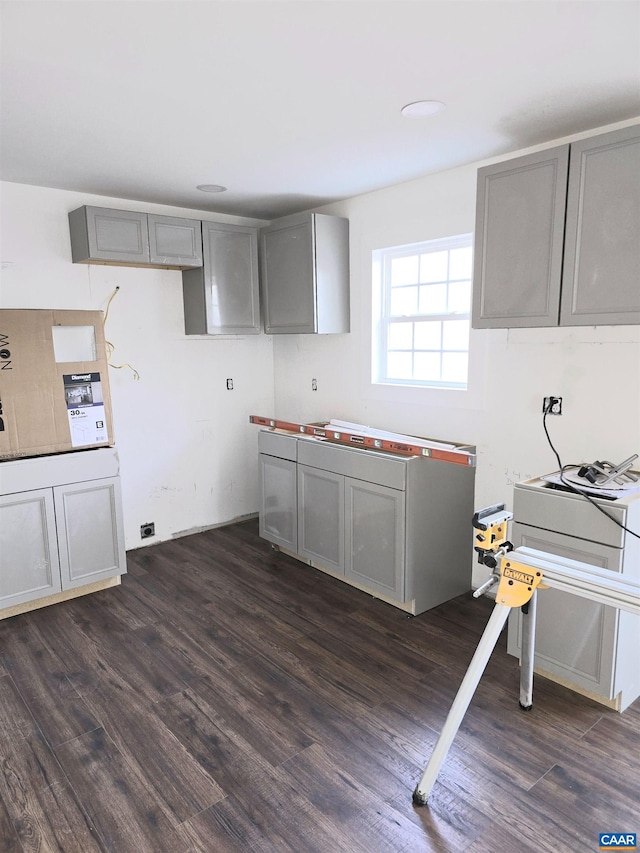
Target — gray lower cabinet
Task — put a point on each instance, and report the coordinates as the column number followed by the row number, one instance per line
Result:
column 374, row 537
column 279, row 499
column 305, row 274
column 62, row 536
column 591, row 647
column 387, row 524
column 101, row 235
column 321, row 523
column 29, row 564
column 222, row 297
column 556, row 237
column 90, row 531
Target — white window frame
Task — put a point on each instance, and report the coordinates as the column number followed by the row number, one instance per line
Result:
column 382, row 318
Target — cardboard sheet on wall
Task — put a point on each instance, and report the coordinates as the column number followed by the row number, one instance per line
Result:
column 50, row 405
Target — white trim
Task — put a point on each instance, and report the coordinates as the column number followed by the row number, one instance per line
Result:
column 381, row 317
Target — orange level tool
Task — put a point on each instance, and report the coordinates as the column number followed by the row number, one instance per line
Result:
column 324, row 431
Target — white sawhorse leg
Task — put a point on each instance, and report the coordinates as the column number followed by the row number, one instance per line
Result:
column 528, row 652
column 461, row 702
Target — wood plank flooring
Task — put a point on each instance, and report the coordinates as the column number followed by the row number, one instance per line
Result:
column 225, row 698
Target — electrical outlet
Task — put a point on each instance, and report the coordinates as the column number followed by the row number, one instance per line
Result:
column 552, row 405
column 229, row 384
column 147, row 530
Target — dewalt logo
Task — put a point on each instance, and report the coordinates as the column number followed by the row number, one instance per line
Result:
column 515, row 575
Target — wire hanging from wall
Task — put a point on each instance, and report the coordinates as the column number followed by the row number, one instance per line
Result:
column 111, row 347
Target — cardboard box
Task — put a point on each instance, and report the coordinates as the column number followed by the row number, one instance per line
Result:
column 54, row 384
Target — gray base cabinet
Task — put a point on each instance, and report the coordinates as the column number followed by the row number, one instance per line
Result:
column 101, row 235
column 556, row 237
column 57, row 535
column 591, row 647
column 374, row 537
column 89, row 528
column 222, row 297
column 321, row 521
column 279, row 498
column 305, row 274
column 29, row 564
column 387, row 524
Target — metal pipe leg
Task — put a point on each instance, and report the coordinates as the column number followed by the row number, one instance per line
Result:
column 528, row 652
column 461, row 702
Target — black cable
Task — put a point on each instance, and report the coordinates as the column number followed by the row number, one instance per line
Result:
column 571, row 486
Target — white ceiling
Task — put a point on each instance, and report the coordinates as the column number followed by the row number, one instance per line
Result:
column 296, row 104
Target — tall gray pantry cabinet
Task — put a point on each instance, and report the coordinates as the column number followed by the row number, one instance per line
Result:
column 389, row 525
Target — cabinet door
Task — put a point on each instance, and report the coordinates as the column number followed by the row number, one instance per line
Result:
column 518, row 241
column 117, row 235
column 289, row 281
column 601, row 281
column 29, row 566
column 90, row 531
column 278, row 521
column 175, row 242
column 222, row 298
column 321, row 517
column 374, row 537
column 576, row 639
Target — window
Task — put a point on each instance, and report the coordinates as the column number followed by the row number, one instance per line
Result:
column 422, row 304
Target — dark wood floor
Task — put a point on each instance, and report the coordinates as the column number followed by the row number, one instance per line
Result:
column 227, row 698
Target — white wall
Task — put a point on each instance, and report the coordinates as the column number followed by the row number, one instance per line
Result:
column 595, row 370
column 188, row 453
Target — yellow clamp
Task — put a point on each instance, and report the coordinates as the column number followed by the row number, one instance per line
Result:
column 517, row 583
column 488, row 540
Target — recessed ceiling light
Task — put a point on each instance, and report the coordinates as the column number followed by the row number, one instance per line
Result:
column 211, row 188
column 422, row 109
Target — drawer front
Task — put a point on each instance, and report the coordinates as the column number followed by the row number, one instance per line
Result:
column 277, row 444
column 360, row 464
column 569, row 514
column 41, row 472
column 573, row 548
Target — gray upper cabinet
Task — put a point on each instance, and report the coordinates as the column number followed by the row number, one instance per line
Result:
column 556, row 238
column 222, row 296
column 520, row 208
column 100, row 235
column 305, row 274
column 601, row 281
column 174, row 242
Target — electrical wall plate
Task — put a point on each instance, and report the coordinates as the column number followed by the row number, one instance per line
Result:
column 552, row 405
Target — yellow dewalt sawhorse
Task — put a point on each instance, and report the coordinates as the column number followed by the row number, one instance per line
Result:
column 519, row 573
